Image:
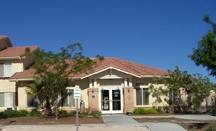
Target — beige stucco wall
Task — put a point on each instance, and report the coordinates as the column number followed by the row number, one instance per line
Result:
column 17, row 67
column 151, row 98
column 7, row 86
column 22, row 98
column 83, row 85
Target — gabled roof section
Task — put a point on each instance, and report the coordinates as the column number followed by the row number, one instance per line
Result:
column 124, row 66
column 7, row 40
column 127, row 67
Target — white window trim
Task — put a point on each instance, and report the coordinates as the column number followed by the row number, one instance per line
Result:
column 68, row 100
column 8, row 99
column 7, row 69
column 144, row 86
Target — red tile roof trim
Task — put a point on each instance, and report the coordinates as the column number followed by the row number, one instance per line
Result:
column 16, row 51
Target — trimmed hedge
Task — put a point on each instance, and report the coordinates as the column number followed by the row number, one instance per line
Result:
column 144, row 111
column 20, row 113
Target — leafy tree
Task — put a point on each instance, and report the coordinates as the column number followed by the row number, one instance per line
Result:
column 205, row 53
column 179, row 83
column 54, row 71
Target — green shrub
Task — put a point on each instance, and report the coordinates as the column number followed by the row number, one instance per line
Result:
column 23, row 113
column 89, row 113
column 211, row 127
column 1, row 113
column 35, row 113
column 96, row 114
column 10, row 113
column 159, row 111
column 213, row 112
column 140, row 111
column 152, row 111
column 63, row 113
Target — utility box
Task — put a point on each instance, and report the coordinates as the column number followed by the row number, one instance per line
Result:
column 82, row 106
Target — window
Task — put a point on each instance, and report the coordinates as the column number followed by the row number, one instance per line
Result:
column 142, row 94
column 6, row 99
column 32, row 101
column 5, row 69
column 68, row 98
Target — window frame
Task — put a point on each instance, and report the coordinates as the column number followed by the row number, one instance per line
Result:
column 8, row 101
column 142, row 86
column 66, row 98
column 7, row 69
column 34, row 100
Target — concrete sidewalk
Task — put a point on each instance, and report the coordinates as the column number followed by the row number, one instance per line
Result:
column 114, row 122
column 187, row 117
column 84, row 127
column 121, row 119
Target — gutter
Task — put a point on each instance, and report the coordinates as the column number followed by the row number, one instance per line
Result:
column 26, row 79
column 11, row 58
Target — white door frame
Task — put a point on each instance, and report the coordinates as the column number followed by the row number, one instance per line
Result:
column 111, row 111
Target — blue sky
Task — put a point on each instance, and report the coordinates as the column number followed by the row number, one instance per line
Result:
column 157, row 33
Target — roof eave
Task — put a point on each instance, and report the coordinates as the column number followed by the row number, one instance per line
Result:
column 149, row 76
column 12, row 58
column 25, row 79
column 31, row 79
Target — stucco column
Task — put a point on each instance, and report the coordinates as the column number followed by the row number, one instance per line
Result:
column 95, row 82
column 128, row 99
column 90, row 82
column 93, row 98
column 130, row 82
column 125, row 82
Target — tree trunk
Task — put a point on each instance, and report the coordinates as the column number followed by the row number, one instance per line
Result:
column 56, row 107
column 48, row 107
column 189, row 103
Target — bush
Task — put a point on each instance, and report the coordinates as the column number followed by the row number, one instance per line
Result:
column 96, row 114
column 159, row 111
column 144, row 111
column 10, row 113
column 152, row 111
column 211, row 127
column 23, row 113
column 35, row 113
column 140, row 111
column 63, row 113
column 1, row 113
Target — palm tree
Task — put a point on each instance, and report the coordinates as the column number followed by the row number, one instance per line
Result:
column 37, row 88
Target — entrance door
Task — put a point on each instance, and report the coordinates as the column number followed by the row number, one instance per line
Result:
column 111, row 101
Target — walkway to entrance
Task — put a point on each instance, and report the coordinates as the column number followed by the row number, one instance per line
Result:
column 119, row 119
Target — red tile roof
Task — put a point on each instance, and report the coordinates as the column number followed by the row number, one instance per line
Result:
column 16, row 51
column 5, row 38
column 122, row 65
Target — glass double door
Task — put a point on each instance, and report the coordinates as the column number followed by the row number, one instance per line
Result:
column 111, row 101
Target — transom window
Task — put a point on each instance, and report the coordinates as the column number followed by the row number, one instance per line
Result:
column 142, row 94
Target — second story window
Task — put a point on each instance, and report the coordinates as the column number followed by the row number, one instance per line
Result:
column 5, row 69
